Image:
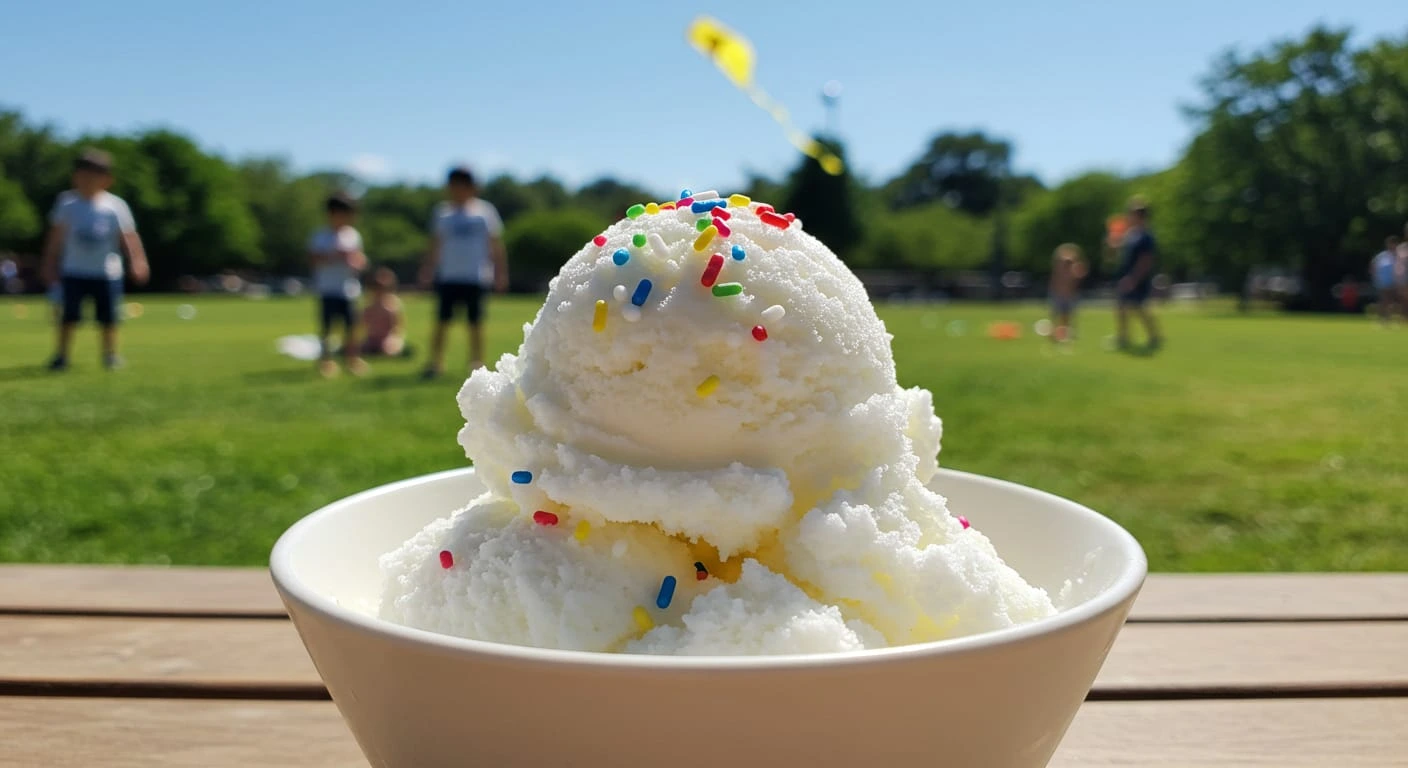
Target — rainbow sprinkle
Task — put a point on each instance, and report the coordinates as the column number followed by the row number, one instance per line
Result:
column 728, row 289
column 599, row 316
column 963, row 521
column 700, row 224
column 621, row 256
column 642, row 292
column 773, row 220
column 667, row 593
column 701, row 206
column 599, row 240
column 738, row 253
column 705, row 237
column 638, row 239
column 447, row 560
column 652, row 208
column 635, row 211
column 667, row 206
column 721, row 213
column 722, row 227
column 760, row 333
column 619, row 293
column 739, row 201
column 522, row 477
column 684, row 201
column 544, row 518
column 657, row 244
column 583, row 529
column 707, row 386
column 700, row 572
column 642, row 619
column 774, row 313
column 686, row 193
column 711, row 272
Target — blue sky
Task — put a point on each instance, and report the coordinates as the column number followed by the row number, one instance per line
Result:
column 583, row 89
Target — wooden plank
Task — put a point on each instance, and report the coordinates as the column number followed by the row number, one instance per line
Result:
column 158, row 733
column 1272, row 597
column 234, row 592
column 1148, row 660
column 138, row 590
column 1280, row 733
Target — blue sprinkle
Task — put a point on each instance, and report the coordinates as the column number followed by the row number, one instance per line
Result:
column 642, row 291
column 522, row 477
column 701, row 206
column 685, row 193
column 738, row 253
column 667, row 593
column 621, row 256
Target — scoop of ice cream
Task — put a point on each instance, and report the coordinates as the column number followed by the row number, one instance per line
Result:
column 714, row 382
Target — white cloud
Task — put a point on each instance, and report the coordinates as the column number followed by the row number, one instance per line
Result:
column 369, row 166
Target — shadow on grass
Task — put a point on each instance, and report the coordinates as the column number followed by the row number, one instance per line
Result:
column 281, row 376
column 411, row 380
column 24, row 372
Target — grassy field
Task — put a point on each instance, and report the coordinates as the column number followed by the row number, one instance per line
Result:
column 1250, row 443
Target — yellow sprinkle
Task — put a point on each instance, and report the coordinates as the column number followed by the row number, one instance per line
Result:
column 643, row 620
column 705, row 237
column 667, row 206
column 599, row 317
column 738, row 201
column 583, row 528
column 707, row 386
column 652, row 208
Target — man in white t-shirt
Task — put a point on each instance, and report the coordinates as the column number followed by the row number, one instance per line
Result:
column 336, row 254
column 466, row 258
column 1384, row 274
column 90, row 230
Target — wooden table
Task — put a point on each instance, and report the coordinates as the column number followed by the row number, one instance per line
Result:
column 159, row 667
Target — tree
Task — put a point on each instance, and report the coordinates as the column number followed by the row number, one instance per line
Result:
column 1298, row 146
column 609, row 198
column 932, row 237
column 825, row 203
column 286, row 209
column 1074, row 212
column 965, row 171
column 539, row 242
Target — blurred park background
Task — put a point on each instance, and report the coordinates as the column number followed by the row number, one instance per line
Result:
column 1272, row 433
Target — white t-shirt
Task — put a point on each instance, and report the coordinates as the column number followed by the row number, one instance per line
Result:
column 93, row 231
column 336, row 280
column 464, row 233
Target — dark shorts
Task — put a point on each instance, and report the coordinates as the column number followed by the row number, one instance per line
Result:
column 336, row 308
column 1137, row 296
column 454, row 294
column 107, row 299
column 1063, row 305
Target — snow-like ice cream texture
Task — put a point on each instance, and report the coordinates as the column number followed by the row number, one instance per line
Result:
column 706, row 398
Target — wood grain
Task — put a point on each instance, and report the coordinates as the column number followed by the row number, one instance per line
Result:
column 155, row 733
column 140, row 590
column 1148, row 660
column 235, row 592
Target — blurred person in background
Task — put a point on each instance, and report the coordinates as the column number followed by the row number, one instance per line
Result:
column 90, row 231
column 1139, row 260
column 383, row 320
column 1067, row 270
column 337, row 258
column 465, row 260
column 1384, row 272
column 1402, row 251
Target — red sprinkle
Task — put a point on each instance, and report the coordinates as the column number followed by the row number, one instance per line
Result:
column 721, row 213
column 760, row 333
column 599, row 240
column 719, row 224
column 446, row 559
column 773, row 220
column 544, row 518
column 963, row 521
column 790, row 216
column 711, row 272
column 763, row 207
column 701, row 575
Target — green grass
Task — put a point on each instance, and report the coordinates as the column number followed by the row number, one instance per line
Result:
column 1250, row 443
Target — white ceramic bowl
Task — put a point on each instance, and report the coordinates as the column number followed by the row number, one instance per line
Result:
column 418, row 699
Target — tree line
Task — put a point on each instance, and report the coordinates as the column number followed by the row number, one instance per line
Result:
column 1299, row 162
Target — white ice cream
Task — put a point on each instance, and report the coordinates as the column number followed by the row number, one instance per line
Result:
column 797, row 481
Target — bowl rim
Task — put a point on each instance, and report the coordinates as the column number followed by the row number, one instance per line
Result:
column 1117, row 596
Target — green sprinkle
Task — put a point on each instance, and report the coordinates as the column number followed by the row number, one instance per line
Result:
column 638, row 240
column 728, row 289
column 701, row 224
column 635, row 211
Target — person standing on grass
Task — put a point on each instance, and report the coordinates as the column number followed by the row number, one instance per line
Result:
column 336, row 254
column 1403, row 273
column 90, row 230
column 466, row 258
column 1067, row 270
column 1384, row 271
column 1139, row 261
